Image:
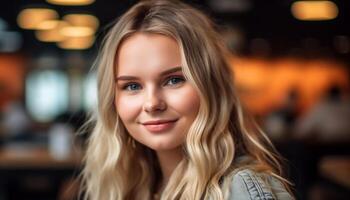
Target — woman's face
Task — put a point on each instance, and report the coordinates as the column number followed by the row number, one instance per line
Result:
column 154, row 101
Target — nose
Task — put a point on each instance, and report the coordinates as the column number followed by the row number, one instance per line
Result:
column 154, row 101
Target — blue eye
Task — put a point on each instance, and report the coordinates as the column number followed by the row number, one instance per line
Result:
column 175, row 80
column 132, row 86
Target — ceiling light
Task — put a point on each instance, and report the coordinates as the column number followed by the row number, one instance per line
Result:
column 29, row 18
column 76, row 31
column 71, row 2
column 82, row 20
column 314, row 10
column 52, row 35
column 77, row 43
column 47, row 25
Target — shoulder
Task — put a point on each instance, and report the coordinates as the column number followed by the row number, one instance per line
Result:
column 247, row 184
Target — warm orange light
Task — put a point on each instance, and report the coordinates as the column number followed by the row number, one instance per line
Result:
column 314, row 10
column 52, row 35
column 76, row 31
column 77, row 43
column 271, row 81
column 82, row 20
column 29, row 18
column 71, row 2
column 47, row 25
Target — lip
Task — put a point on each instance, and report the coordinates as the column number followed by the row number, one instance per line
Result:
column 158, row 126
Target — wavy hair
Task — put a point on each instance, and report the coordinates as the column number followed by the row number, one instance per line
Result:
column 116, row 168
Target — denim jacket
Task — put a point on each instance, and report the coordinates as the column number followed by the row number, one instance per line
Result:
column 249, row 185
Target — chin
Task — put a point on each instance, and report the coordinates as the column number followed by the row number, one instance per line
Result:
column 162, row 146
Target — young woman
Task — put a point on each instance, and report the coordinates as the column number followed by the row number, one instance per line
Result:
column 169, row 124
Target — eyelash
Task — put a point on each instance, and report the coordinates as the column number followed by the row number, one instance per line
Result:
column 128, row 85
column 179, row 78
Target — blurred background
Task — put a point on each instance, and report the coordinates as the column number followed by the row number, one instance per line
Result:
column 291, row 60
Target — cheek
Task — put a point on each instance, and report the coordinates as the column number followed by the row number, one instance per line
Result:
column 186, row 102
column 128, row 108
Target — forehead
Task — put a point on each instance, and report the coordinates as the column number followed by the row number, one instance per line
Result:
column 147, row 52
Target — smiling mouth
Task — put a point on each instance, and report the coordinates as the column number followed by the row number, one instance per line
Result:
column 159, row 126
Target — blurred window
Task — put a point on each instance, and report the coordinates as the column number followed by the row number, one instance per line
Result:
column 46, row 94
column 90, row 92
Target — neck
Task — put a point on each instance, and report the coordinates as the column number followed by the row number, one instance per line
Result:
column 168, row 161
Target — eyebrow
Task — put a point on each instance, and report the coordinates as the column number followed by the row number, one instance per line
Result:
column 169, row 71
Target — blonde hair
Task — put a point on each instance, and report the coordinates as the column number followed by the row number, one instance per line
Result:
column 117, row 168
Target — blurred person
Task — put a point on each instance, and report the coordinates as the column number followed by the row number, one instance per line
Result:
column 169, row 124
column 279, row 123
column 15, row 121
column 322, row 131
column 328, row 120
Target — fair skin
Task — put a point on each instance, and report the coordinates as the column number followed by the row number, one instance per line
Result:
column 155, row 102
